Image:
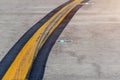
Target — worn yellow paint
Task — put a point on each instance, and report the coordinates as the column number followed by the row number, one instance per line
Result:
column 22, row 63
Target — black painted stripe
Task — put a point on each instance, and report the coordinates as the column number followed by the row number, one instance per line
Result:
column 38, row 68
column 37, row 71
column 11, row 55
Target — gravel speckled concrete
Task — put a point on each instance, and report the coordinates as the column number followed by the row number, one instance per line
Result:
column 94, row 51
column 94, row 34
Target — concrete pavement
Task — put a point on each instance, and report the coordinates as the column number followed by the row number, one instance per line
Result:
column 93, row 53
column 94, row 47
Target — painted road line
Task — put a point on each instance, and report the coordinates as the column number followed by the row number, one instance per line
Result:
column 38, row 68
column 11, row 55
column 54, row 23
column 22, row 63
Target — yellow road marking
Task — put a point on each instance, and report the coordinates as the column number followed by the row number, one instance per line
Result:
column 21, row 65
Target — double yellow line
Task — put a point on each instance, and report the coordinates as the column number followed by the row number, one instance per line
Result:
column 23, row 62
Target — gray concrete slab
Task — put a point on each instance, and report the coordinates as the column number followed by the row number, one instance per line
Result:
column 93, row 50
column 93, row 53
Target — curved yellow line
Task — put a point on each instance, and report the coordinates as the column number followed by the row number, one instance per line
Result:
column 22, row 63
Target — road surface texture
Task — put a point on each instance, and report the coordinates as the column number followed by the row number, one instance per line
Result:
column 92, row 47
